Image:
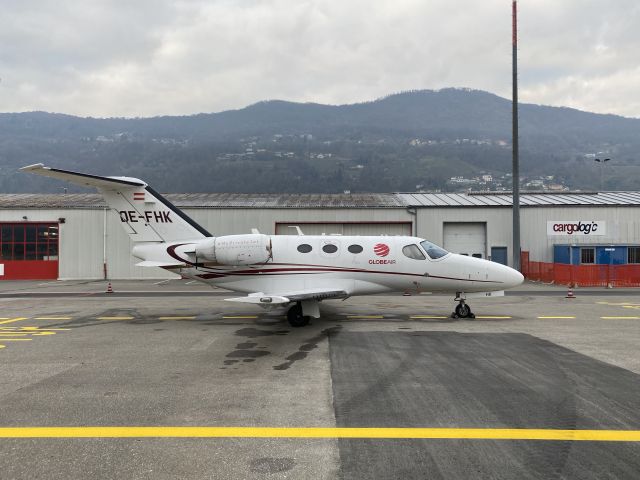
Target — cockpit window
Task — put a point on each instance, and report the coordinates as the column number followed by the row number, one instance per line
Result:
column 412, row 251
column 433, row 250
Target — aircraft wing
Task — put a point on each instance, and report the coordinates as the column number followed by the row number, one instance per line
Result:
column 281, row 298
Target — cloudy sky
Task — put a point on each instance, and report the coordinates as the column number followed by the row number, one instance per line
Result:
column 173, row 57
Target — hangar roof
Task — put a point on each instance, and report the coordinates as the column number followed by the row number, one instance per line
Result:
column 356, row 200
column 213, row 200
column 527, row 199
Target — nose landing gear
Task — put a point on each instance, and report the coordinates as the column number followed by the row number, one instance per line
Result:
column 462, row 310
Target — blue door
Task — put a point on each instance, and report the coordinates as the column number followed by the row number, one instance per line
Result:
column 499, row 255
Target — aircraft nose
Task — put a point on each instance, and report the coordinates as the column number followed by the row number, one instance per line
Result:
column 506, row 276
column 512, row 278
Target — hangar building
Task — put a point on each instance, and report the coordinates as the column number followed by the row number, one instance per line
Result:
column 75, row 236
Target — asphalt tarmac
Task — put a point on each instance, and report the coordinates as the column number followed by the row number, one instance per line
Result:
column 537, row 386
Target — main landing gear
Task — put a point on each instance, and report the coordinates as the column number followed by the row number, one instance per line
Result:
column 462, row 309
column 296, row 317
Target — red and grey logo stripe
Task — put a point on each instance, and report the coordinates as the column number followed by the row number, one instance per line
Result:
column 138, row 196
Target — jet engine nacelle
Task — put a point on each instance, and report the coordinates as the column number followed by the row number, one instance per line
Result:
column 235, row 249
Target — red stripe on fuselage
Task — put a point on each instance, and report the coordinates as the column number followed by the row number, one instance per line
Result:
column 312, row 271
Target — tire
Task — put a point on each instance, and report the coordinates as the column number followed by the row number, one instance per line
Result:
column 295, row 317
column 463, row 310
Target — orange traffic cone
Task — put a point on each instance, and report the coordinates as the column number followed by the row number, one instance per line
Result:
column 570, row 293
column 109, row 288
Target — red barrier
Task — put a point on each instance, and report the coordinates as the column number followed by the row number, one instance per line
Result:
column 581, row 275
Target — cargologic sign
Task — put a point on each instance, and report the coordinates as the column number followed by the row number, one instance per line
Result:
column 591, row 228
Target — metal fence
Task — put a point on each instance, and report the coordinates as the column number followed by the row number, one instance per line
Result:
column 581, row 275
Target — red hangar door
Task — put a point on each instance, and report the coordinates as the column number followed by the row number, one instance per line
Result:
column 28, row 251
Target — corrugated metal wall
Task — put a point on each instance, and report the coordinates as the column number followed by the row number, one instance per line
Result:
column 82, row 233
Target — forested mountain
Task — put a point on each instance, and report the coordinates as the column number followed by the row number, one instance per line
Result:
column 406, row 141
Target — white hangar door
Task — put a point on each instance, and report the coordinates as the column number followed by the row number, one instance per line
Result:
column 466, row 238
column 345, row 228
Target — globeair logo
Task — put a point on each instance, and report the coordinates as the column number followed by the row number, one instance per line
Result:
column 381, row 249
column 577, row 227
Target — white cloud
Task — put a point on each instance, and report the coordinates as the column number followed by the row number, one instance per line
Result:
column 116, row 58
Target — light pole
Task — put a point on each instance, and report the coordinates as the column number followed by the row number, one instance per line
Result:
column 601, row 162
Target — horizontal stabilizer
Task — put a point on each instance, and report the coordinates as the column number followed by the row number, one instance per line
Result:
column 84, row 178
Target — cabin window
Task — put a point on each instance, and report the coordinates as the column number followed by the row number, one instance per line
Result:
column 330, row 248
column 433, row 250
column 355, row 248
column 633, row 255
column 304, row 248
column 412, row 251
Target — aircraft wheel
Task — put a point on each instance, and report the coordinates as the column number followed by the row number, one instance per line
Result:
column 295, row 317
column 463, row 311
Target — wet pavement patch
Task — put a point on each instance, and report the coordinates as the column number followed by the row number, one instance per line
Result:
column 256, row 333
column 304, row 349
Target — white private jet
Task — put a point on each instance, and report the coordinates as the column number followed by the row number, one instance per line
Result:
column 286, row 270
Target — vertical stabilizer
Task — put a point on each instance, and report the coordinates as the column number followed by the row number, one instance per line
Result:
column 144, row 214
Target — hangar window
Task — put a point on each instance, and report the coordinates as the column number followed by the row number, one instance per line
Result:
column 304, row 248
column 433, row 250
column 355, row 248
column 32, row 241
column 633, row 255
column 412, row 251
column 330, row 248
column 587, row 256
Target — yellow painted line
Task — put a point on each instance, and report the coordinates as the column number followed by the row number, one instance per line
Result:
column 427, row 316
column 559, row 316
column 321, row 432
column 637, row 307
column 17, row 339
column 2, row 346
column 39, row 329
column 364, row 316
column 115, row 318
column 493, row 316
column 620, row 318
column 11, row 320
column 240, row 316
column 176, row 318
column 19, row 334
column 52, row 318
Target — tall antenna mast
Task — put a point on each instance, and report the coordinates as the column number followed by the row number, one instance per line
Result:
column 515, row 175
